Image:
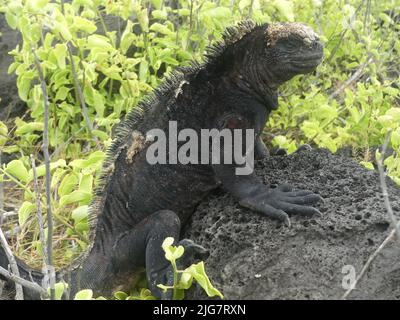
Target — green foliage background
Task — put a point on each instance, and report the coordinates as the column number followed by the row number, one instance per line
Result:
column 122, row 49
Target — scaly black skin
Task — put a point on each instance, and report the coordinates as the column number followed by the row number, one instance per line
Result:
column 142, row 204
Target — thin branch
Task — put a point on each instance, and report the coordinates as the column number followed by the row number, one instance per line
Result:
column 79, row 90
column 354, row 77
column 370, row 260
column 45, row 149
column 76, row 84
column 382, row 178
column 39, row 217
column 19, row 294
column 23, row 282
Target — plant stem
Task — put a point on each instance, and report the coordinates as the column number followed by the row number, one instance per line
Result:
column 175, row 279
column 48, row 268
column 25, row 283
column 19, row 295
column 382, row 177
column 45, row 148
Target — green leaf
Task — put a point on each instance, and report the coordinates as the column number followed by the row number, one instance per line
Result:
column 112, row 72
column 143, row 19
column 10, row 149
column 68, row 183
column 60, row 52
column 127, row 37
column 62, row 29
column 159, row 14
column 86, row 294
column 62, row 93
column 13, row 66
column 82, row 226
column 145, row 294
column 199, row 274
column 86, row 183
column 24, row 212
column 59, row 288
column 167, row 243
column 12, row 20
column 158, row 27
column 395, row 138
column 29, row 127
column 143, row 69
column 100, row 134
column 98, row 41
column 84, row 25
column 157, row 3
column 76, row 196
column 185, row 281
column 367, row 165
column 41, row 170
column 96, row 157
column 35, row 32
column 119, row 295
column 17, row 169
column 24, row 86
column 3, row 133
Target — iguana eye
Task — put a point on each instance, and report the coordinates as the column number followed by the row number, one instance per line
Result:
column 292, row 43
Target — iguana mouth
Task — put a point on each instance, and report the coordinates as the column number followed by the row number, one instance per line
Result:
column 307, row 63
column 309, row 58
column 303, row 67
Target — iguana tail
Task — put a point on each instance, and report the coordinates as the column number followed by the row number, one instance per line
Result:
column 25, row 272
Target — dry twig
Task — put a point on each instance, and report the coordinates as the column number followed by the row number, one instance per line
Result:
column 19, row 294
column 369, row 261
column 23, row 282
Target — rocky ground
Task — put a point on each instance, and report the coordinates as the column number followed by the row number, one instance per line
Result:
column 10, row 104
column 253, row 257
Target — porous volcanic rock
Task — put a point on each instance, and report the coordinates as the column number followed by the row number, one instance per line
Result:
column 10, row 104
column 254, row 257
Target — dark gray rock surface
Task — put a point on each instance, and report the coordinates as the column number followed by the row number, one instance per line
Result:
column 253, row 257
column 10, row 104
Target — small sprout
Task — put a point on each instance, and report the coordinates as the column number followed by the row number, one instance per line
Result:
column 183, row 279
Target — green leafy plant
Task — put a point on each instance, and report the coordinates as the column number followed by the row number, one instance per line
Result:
column 183, row 279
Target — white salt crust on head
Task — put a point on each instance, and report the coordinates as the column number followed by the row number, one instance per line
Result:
column 281, row 30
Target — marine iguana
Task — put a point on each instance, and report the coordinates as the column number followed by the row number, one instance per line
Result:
column 140, row 204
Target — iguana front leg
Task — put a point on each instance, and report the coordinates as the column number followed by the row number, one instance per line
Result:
column 251, row 192
column 275, row 203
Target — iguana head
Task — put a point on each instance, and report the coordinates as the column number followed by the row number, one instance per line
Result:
column 259, row 58
column 290, row 49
